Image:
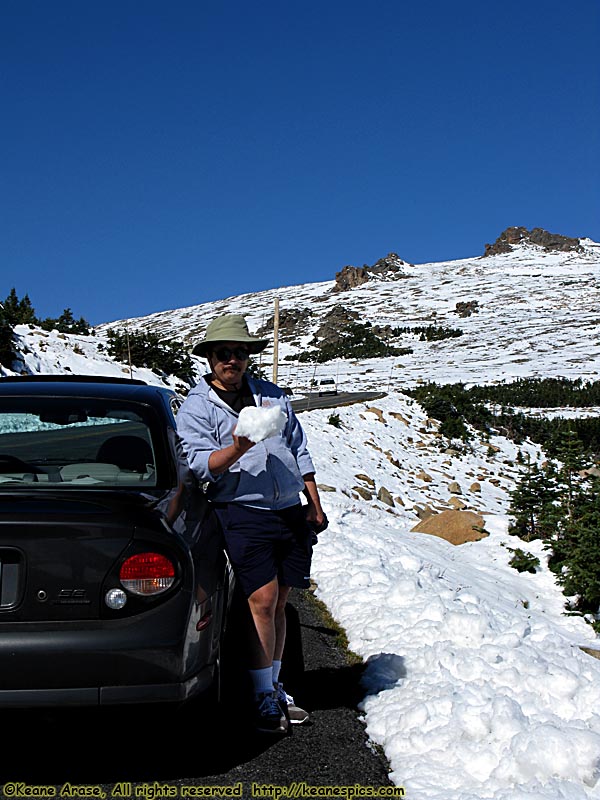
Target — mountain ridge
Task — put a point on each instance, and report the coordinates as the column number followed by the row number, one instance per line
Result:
column 514, row 309
column 517, row 313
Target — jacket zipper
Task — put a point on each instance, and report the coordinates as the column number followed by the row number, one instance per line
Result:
column 276, row 491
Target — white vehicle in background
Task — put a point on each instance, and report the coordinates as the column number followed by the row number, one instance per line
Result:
column 327, row 386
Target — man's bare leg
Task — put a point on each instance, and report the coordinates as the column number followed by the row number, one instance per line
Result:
column 266, row 631
column 263, row 604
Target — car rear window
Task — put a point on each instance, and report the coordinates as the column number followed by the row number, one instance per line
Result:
column 57, row 442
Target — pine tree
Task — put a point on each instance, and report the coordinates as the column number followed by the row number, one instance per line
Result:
column 66, row 323
column 581, row 575
column 569, row 452
column 7, row 350
column 18, row 312
column 532, row 503
column 571, row 489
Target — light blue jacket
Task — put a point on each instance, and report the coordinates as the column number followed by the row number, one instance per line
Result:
column 269, row 475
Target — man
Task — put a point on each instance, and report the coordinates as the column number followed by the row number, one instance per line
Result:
column 255, row 488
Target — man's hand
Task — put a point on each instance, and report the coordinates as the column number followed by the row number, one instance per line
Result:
column 220, row 461
column 317, row 522
column 242, row 444
column 315, row 516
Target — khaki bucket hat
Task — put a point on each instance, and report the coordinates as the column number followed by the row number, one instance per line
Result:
column 229, row 328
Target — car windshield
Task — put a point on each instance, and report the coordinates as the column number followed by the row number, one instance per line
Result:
column 59, row 442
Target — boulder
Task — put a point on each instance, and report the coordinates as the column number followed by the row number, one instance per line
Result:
column 384, row 496
column 424, row 512
column 457, row 503
column 456, row 527
column 424, row 476
column 378, row 413
column 390, row 457
column 593, row 472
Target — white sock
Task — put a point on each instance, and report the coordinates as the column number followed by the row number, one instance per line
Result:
column 276, row 669
column 262, row 680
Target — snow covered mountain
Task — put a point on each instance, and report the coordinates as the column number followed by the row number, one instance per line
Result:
column 527, row 312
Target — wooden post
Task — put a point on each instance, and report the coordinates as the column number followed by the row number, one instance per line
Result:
column 129, row 351
column 275, row 340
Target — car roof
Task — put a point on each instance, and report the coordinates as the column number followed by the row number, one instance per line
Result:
column 83, row 385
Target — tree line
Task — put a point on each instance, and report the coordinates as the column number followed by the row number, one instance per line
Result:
column 357, row 340
column 20, row 311
column 137, row 348
column 147, row 349
column 492, row 409
column 558, row 501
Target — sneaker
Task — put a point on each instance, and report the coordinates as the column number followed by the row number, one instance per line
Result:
column 270, row 717
column 295, row 714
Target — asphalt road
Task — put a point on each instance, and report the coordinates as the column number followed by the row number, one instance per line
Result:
column 313, row 400
column 142, row 746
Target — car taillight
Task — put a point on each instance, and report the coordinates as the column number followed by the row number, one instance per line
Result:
column 147, row 573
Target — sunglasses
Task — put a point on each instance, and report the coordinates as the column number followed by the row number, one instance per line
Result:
column 225, row 353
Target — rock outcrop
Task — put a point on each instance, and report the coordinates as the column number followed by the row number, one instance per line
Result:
column 291, row 322
column 337, row 318
column 389, row 268
column 466, row 308
column 538, row 236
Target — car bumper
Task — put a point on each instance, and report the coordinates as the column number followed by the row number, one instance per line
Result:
column 143, row 659
column 109, row 695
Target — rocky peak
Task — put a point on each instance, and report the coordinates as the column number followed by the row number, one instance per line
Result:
column 388, row 268
column 538, row 236
column 392, row 263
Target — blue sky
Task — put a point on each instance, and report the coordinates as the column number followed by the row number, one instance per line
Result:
column 161, row 154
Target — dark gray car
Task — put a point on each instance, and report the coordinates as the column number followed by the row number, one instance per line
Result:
column 114, row 585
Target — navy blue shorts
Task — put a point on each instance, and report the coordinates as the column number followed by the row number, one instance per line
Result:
column 265, row 544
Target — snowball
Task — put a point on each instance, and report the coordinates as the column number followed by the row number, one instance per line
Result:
column 260, row 423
